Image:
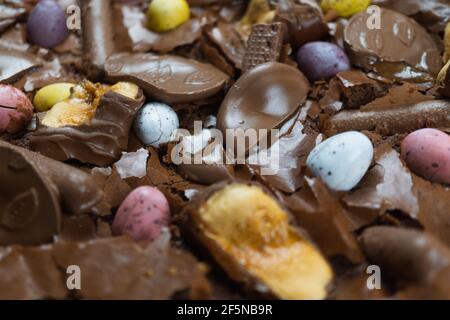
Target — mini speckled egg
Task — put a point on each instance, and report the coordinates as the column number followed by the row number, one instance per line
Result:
column 142, row 215
column 345, row 8
column 165, row 15
column 427, row 153
column 155, row 123
column 16, row 109
column 342, row 160
column 46, row 26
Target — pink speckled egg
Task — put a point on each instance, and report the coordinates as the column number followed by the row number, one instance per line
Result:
column 142, row 215
column 16, row 110
column 427, row 153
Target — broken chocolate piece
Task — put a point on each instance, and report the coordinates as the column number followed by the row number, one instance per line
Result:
column 98, row 35
column 169, row 79
column 304, row 21
column 101, row 141
column 225, row 36
column 399, row 40
column 410, row 257
column 14, row 63
column 358, row 89
column 263, row 98
column 133, row 35
column 264, row 45
column 404, row 119
column 9, row 15
column 248, row 234
column 75, row 189
column 29, row 209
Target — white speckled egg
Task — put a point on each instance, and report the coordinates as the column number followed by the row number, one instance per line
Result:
column 342, row 160
column 154, row 124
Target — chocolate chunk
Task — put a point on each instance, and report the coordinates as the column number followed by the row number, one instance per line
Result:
column 402, row 119
column 111, row 268
column 133, row 35
column 225, row 36
column 14, row 63
column 358, row 89
column 434, row 14
column 99, row 142
column 399, row 40
column 304, row 21
column 387, row 186
column 76, row 190
column 169, row 79
column 410, row 257
column 263, row 98
column 264, row 45
column 98, row 35
column 29, row 209
column 331, row 226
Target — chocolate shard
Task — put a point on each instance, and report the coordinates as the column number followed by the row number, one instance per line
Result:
column 76, row 190
column 132, row 33
column 401, row 119
column 399, row 40
column 14, row 64
column 304, row 21
column 9, row 14
column 99, row 142
column 225, row 36
column 98, row 35
column 29, row 209
column 411, row 257
column 167, row 78
column 265, row 44
column 358, row 89
column 111, row 268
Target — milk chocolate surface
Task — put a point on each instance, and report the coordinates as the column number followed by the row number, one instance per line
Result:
column 400, row 39
column 170, row 79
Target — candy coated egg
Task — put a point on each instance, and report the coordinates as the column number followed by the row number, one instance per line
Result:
column 322, row 60
column 48, row 96
column 427, row 153
column 345, row 8
column 155, row 123
column 342, row 160
column 165, row 15
column 16, row 109
column 142, row 215
column 46, row 26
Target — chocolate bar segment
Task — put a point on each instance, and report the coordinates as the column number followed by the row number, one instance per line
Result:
column 99, row 142
column 98, row 35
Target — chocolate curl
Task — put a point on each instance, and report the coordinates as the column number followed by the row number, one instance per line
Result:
column 407, row 118
column 98, row 35
column 264, row 45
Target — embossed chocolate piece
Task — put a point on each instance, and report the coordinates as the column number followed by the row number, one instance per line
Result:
column 167, row 78
column 263, row 98
column 98, row 35
column 29, row 209
column 99, row 141
column 399, row 40
column 14, row 63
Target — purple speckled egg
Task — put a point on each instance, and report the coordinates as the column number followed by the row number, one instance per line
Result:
column 142, row 215
column 46, row 26
column 427, row 153
column 322, row 60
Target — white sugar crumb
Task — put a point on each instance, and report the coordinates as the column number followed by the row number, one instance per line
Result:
column 132, row 164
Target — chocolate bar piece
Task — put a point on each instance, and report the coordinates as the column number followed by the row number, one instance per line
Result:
column 99, row 142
